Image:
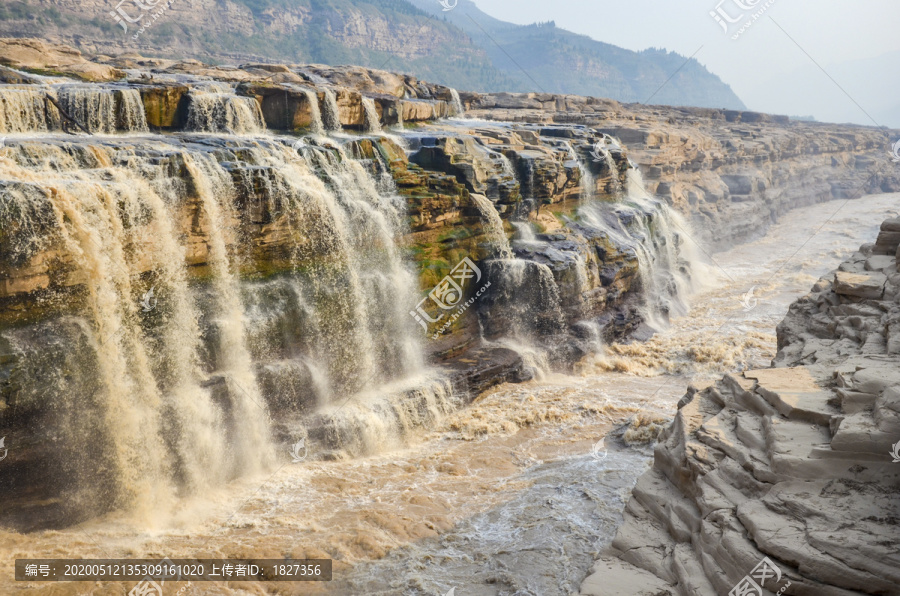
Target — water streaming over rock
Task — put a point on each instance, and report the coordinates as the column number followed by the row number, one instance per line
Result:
column 188, row 370
column 345, row 256
column 164, row 430
column 316, row 125
column 373, row 124
column 207, row 361
column 97, row 109
column 218, row 110
column 331, row 115
column 25, row 109
column 602, row 153
column 456, row 106
column 250, row 437
column 400, row 115
column 658, row 236
column 493, row 225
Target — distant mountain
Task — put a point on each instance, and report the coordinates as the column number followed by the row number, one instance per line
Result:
column 559, row 61
column 463, row 47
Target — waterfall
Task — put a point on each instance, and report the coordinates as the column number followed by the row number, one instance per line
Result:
column 129, row 402
column 372, row 123
column 104, row 110
column 522, row 309
column 506, row 165
column 525, row 235
column 99, row 110
column 315, row 126
column 493, row 226
column 332, row 117
column 195, row 426
column 347, row 299
column 251, row 436
column 130, row 114
column 588, row 183
column 24, row 109
column 400, row 114
column 223, row 112
column 150, row 417
column 655, row 233
column 601, row 152
column 456, row 105
column 613, row 170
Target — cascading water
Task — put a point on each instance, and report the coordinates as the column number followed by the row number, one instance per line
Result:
column 215, row 190
column 146, row 413
column 104, row 110
column 372, row 123
column 602, row 152
column 525, row 235
column 177, row 397
column 456, row 106
column 506, row 165
column 24, row 109
column 655, row 233
column 331, row 116
column 191, row 381
column 217, row 109
column 524, row 303
column 400, row 114
column 346, row 249
column 99, row 110
column 493, row 226
column 588, row 184
column 316, row 126
column 525, row 310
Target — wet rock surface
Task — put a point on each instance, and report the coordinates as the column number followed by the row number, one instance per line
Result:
column 543, row 204
column 792, row 464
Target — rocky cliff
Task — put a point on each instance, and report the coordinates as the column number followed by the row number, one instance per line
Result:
column 287, row 236
column 446, row 47
column 782, row 480
column 732, row 172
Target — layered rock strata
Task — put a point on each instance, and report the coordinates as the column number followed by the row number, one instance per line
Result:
column 733, row 172
column 782, row 480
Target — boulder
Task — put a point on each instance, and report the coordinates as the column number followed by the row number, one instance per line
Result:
column 37, row 56
column 859, row 285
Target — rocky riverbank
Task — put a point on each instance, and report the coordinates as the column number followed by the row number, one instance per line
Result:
column 782, row 480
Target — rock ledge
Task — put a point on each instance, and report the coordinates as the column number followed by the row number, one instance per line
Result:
column 781, row 481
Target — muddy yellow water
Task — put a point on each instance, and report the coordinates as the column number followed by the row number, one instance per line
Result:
column 514, row 494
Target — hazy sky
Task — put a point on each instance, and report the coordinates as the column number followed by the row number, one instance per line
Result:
column 763, row 66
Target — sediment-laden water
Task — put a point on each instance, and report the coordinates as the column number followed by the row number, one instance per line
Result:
column 163, row 378
column 511, row 495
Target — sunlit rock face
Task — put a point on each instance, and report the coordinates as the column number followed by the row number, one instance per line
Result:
column 199, row 264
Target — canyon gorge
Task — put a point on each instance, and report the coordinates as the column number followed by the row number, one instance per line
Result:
column 206, row 271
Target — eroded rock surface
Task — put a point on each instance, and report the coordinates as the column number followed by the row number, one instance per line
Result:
column 792, row 464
